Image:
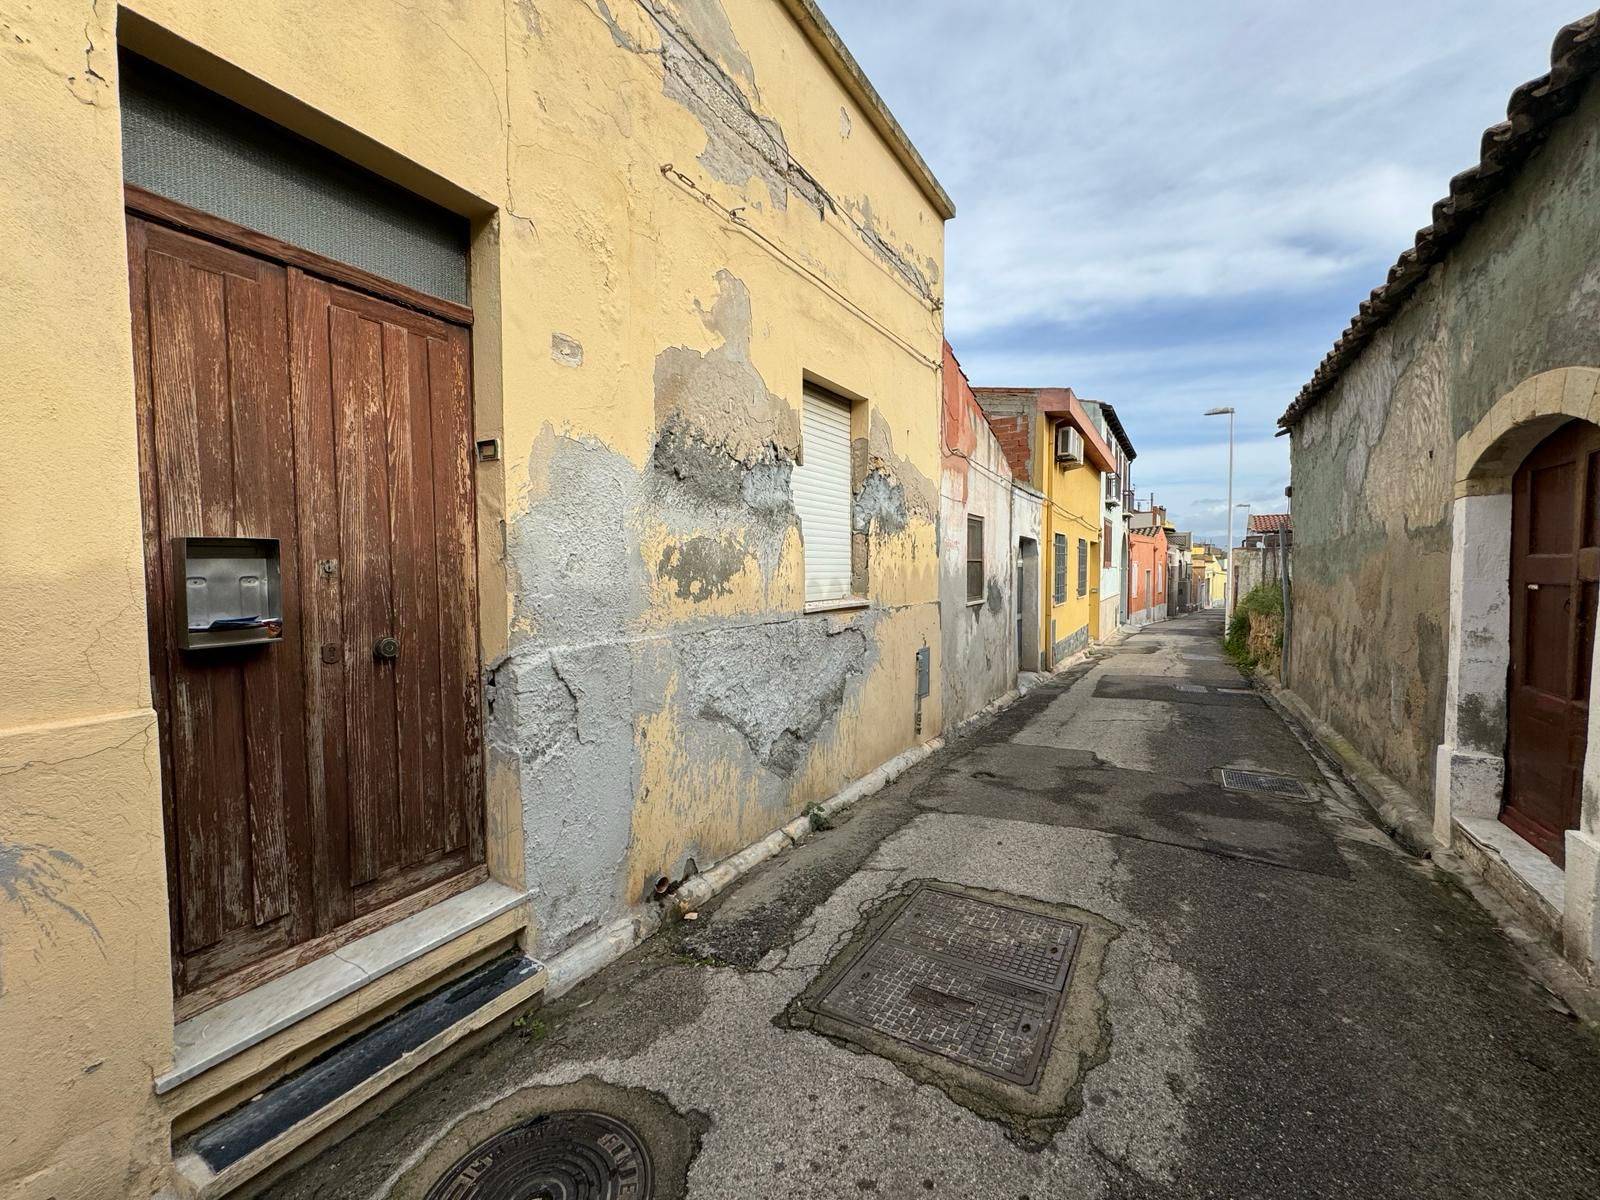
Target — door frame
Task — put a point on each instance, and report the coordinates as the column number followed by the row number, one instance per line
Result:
column 150, row 206
column 1469, row 764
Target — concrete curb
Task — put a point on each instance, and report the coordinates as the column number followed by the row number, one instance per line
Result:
column 1397, row 812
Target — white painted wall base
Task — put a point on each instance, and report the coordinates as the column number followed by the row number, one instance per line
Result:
column 1580, row 918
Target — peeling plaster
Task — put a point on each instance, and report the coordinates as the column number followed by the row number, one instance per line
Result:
column 777, row 685
column 703, row 566
column 880, row 504
column 705, row 70
column 568, row 351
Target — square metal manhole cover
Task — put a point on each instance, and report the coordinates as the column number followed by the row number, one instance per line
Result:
column 1260, row 781
column 977, row 982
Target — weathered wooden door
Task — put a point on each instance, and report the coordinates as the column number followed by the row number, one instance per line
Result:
column 1555, row 563
column 317, row 787
column 386, row 504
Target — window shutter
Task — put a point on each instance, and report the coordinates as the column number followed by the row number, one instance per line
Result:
column 974, row 559
column 822, row 496
column 1083, row 567
column 1061, row 568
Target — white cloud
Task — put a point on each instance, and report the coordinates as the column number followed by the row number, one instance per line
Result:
column 1254, row 159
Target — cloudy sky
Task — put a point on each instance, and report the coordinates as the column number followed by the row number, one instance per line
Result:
column 1172, row 206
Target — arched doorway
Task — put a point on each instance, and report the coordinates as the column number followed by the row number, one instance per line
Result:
column 1555, row 566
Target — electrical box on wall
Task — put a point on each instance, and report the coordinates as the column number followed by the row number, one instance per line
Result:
column 229, row 592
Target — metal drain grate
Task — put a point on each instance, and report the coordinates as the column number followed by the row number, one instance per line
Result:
column 1260, row 781
column 570, row 1156
column 977, row 982
column 1189, row 687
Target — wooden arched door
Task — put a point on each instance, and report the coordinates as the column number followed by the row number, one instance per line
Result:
column 1555, row 563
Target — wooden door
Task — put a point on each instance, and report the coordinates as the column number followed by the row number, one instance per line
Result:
column 384, row 420
column 1555, row 563
column 321, row 786
column 215, row 444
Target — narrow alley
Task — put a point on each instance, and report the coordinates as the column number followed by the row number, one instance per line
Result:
column 1268, row 997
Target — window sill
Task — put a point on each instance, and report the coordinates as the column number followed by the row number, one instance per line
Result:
column 978, row 603
column 232, row 1027
column 842, row 604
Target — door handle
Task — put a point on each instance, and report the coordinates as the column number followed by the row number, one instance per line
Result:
column 386, row 647
column 1533, row 587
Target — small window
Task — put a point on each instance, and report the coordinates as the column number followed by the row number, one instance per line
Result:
column 1105, row 544
column 974, row 560
column 1061, row 568
column 1083, row 567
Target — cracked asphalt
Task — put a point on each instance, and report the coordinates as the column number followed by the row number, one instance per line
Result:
column 1290, row 1006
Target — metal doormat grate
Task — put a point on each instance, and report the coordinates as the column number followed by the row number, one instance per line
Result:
column 977, row 982
column 1260, row 781
column 1188, row 687
column 572, row 1155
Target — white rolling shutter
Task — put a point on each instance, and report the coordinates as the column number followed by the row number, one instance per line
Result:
column 822, row 496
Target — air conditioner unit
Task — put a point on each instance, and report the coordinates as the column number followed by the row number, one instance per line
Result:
column 1069, row 444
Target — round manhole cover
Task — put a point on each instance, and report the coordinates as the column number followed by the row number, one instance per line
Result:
column 558, row 1156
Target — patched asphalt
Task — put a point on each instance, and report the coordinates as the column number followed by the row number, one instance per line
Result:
column 1290, row 1006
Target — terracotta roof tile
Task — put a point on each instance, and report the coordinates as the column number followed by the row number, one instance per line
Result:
column 1270, row 522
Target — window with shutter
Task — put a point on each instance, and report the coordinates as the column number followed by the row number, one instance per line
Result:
column 822, row 496
column 1083, row 567
column 1061, row 568
column 974, row 560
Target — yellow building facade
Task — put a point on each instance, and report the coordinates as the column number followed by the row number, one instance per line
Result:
column 1032, row 425
column 674, row 225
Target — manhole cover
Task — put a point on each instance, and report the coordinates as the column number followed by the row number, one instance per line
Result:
column 559, row 1156
column 1260, row 781
column 977, row 982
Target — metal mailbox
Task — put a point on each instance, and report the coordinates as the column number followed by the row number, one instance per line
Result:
column 229, row 592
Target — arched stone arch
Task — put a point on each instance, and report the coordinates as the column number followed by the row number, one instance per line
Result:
column 1469, row 775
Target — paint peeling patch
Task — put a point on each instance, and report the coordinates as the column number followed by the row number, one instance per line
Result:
column 994, row 598
column 777, row 685
column 703, row 567
column 880, row 505
column 705, row 70
column 568, row 351
column 721, row 390
column 921, row 494
column 845, row 127
column 896, row 259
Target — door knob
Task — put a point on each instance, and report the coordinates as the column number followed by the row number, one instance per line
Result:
column 387, row 647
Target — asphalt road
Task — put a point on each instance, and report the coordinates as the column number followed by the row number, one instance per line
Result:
column 1288, row 1005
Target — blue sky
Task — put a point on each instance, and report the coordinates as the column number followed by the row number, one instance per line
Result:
column 1172, row 206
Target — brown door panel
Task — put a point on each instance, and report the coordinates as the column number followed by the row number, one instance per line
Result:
column 213, row 414
column 1552, row 641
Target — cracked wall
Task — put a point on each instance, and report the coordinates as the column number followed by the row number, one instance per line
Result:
column 979, row 638
column 1374, row 461
column 655, row 692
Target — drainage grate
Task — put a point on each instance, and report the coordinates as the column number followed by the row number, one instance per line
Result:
column 1260, row 781
column 1188, row 687
column 977, row 982
column 562, row 1156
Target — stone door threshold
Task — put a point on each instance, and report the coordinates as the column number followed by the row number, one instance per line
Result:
column 1524, row 876
column 242, row 1144
column 219, row 1033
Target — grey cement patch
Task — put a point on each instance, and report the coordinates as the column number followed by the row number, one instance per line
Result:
column 879, row 505
column 568, row 351
column 777, row 685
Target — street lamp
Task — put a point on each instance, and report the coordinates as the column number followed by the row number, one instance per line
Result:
column 1227, row 579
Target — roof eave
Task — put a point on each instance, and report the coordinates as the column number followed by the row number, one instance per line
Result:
column 827, row 42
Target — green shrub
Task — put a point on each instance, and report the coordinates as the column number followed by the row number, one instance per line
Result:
column 1255, row 635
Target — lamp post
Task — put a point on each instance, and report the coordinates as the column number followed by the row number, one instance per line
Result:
column 1227, row 579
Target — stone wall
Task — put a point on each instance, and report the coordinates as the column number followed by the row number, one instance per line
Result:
column 1374, row 459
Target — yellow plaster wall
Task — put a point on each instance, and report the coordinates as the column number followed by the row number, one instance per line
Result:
column 550, row 124
column 1072, row 507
